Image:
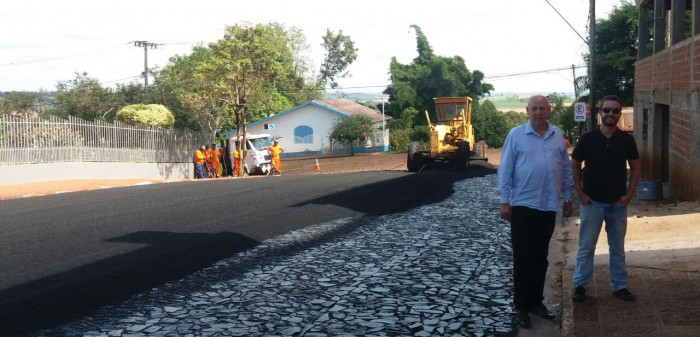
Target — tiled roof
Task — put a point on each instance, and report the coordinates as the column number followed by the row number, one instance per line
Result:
column 351, row 108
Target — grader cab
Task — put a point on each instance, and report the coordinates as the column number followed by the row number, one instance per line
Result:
column 451, row 136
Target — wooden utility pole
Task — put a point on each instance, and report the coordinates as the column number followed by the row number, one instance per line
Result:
column 145, row 45
column 593, row 122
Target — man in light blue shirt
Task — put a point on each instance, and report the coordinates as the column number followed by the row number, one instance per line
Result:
column 533, row 176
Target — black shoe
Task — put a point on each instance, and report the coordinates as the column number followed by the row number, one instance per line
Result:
column 541, row 310
column 624, row 294
column 579, row 294
column 523, row 319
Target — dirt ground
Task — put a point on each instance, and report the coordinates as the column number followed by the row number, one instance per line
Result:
column 658, row 232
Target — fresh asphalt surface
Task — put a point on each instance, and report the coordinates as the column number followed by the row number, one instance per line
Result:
column 67, row 254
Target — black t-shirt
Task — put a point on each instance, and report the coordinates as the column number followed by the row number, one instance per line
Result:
column 605, row 159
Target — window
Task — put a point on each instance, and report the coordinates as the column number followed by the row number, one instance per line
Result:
column 303, row 135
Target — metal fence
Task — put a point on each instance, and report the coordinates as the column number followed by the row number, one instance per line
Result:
column 38, row 140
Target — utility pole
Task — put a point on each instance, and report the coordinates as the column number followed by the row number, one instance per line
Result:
column 145, row 45
column 573, row 71
column 593, row 122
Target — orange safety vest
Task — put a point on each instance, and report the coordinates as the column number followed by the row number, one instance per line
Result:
column 275, row 151
column 199, row 157
column 214, row 156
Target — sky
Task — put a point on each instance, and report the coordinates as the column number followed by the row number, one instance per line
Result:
column 44, row 42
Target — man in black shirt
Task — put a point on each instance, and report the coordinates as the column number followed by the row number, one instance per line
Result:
column 606, row 152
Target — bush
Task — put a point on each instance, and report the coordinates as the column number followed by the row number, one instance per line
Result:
column 420, row 133
column 399, row 140
column 151, row 114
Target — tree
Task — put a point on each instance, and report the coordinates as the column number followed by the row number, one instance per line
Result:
column 83, row 97
column 490, row 125
column 561, row 116
column 350, row 130
column 405, row 122
column 616, row 52
column 151, row 114
column 18, row 103
column 340, row 53
column 415, row 85
column 245, row 60
column 514, row 118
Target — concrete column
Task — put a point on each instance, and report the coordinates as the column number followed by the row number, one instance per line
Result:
column 659, row 26
column 677, row 21
column 643, row 33
column 696, row 17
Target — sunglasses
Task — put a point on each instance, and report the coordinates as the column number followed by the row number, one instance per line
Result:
column 613, row 110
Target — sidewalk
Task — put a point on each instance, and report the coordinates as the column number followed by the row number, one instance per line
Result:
column 663, row 262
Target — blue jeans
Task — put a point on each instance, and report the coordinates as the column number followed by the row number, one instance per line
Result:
column 199, row 171
column 592, row 216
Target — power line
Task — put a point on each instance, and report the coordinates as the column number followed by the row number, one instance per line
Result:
column 567, row 22
column 145, row 45
column 103, row 50
column 531, row 72
column 121, row 79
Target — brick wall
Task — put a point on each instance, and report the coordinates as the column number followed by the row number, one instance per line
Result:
column 680, row 68
column 681, row 137
column 662, row 73
column 644, row 74
column 696, row 65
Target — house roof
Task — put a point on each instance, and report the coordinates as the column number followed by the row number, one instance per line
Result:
column 350, row 108
column 342, row 106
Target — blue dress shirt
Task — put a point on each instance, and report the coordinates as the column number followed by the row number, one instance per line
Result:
column 535, row 171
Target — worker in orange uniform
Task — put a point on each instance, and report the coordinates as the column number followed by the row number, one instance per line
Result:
column 275, row 151
column 236, row 162
column 199, row 158
column 213, row 159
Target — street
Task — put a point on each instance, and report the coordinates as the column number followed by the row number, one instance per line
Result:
column 66, row 255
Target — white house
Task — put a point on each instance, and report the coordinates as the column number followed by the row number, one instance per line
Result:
column 304, row 129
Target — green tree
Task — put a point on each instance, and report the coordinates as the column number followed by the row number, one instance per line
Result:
column 490, row 125
column 405, row 122
column 82, row 97
column 351, row 130
column 561, row 116
column 515, row 118
column 615, row 53
column 188, row 86
column 246, row 60
column 146, row 114
column 18, row 103
column 415, row 85
column 340, row 53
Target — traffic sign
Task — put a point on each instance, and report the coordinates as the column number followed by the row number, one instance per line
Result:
column 579, row 112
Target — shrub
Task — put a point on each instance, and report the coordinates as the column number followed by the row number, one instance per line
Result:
column 420, row 133
column 399, row 140
column 151, row 114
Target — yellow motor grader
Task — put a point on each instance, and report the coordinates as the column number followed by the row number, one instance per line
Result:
column 451, row 136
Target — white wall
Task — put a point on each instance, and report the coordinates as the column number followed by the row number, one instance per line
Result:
column 318, row 119
column 32, row 173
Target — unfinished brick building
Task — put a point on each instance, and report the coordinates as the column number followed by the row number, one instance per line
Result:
column 666, row 102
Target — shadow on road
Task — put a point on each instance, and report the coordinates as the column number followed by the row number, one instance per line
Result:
column 423, row 188
column 60, row 298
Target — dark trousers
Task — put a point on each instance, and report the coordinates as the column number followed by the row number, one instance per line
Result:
column 530, row 232
column 199, row 171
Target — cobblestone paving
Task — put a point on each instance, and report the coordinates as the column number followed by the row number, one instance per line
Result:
column 441, row 269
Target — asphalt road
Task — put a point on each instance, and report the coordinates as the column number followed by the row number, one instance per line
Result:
column 62, row 256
